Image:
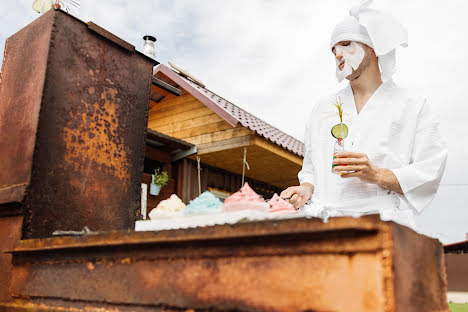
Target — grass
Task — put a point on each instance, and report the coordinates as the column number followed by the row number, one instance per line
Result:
column 458, row 307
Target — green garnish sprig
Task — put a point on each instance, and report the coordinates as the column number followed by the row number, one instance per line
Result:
column 339, row 131
column 339, row 105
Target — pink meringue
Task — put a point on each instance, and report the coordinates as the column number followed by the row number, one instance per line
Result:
column 280, row 206
column 244, row 199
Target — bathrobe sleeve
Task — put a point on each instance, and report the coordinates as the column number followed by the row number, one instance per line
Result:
column 420, row 179
column 307, row 172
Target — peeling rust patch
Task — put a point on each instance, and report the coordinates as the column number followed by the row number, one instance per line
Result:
column 90, row 266
column 387, row 271
column 93, row 135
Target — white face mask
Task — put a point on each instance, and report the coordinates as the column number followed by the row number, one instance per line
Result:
column 353, row 54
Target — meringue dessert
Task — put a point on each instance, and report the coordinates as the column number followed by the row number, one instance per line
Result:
column 245, row 199
column 204, row 204
column 168, row 208
column 279, row 206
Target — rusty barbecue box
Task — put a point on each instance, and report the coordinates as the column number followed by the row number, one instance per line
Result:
column 73, row 114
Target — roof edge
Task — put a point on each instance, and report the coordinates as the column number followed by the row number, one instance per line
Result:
column 197, row 94
column 465, row 242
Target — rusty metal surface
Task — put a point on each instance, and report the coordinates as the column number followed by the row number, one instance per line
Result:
column 54, row 305
column 290, row 265
column 244, row 231
column 20, row 101
column 420, row 282
column 247, row 267
column 10, row 233
column 328, row 282
column 108, row 35
column 89, row 146
column 457, row 272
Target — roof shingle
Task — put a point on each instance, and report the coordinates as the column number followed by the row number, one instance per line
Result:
column 246, row 119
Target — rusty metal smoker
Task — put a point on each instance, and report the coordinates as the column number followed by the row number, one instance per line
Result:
column 73, row 118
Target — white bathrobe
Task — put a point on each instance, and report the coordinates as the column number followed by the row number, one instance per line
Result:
column 397, row 131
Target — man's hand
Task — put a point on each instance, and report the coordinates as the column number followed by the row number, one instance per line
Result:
column 298, row 195
column 350, row 164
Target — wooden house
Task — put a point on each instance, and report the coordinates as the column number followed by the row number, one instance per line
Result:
column 221, row 133
column 456, row 266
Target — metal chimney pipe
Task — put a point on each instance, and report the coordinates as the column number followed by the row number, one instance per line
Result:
column 148, row 48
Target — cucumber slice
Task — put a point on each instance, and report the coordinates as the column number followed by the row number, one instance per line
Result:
column 339, row 131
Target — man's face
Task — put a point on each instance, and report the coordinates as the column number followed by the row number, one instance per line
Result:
column 338, row 52
column 351, row 59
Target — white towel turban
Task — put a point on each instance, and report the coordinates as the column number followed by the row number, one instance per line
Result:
column 375, row 29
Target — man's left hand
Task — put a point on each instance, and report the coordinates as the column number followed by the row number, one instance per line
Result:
column 358, row 165
column 350, row 164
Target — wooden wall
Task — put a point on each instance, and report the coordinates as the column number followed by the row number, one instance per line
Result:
column 216, row 178
column 163, row 161
column 183, row 181
column 166, row 192
column 457, row 271
column 186, row 118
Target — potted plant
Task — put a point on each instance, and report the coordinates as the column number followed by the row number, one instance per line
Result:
column 158, row 180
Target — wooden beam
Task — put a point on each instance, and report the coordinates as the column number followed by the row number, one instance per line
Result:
column 157, row 112
column 160, row 91
column 177, row 125
column 272, row 147
column 170, row 143
column 220, row 135
column 174, row 101
column 201, row 96
column 223, row 145
column 187, row 134
column 165, row 86
column 189, row 114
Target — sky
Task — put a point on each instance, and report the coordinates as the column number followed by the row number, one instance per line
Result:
column 272, row 58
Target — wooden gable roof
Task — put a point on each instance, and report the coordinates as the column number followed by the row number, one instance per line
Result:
column 221, row 131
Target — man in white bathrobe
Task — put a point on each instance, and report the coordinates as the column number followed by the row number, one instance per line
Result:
column 394, row 149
